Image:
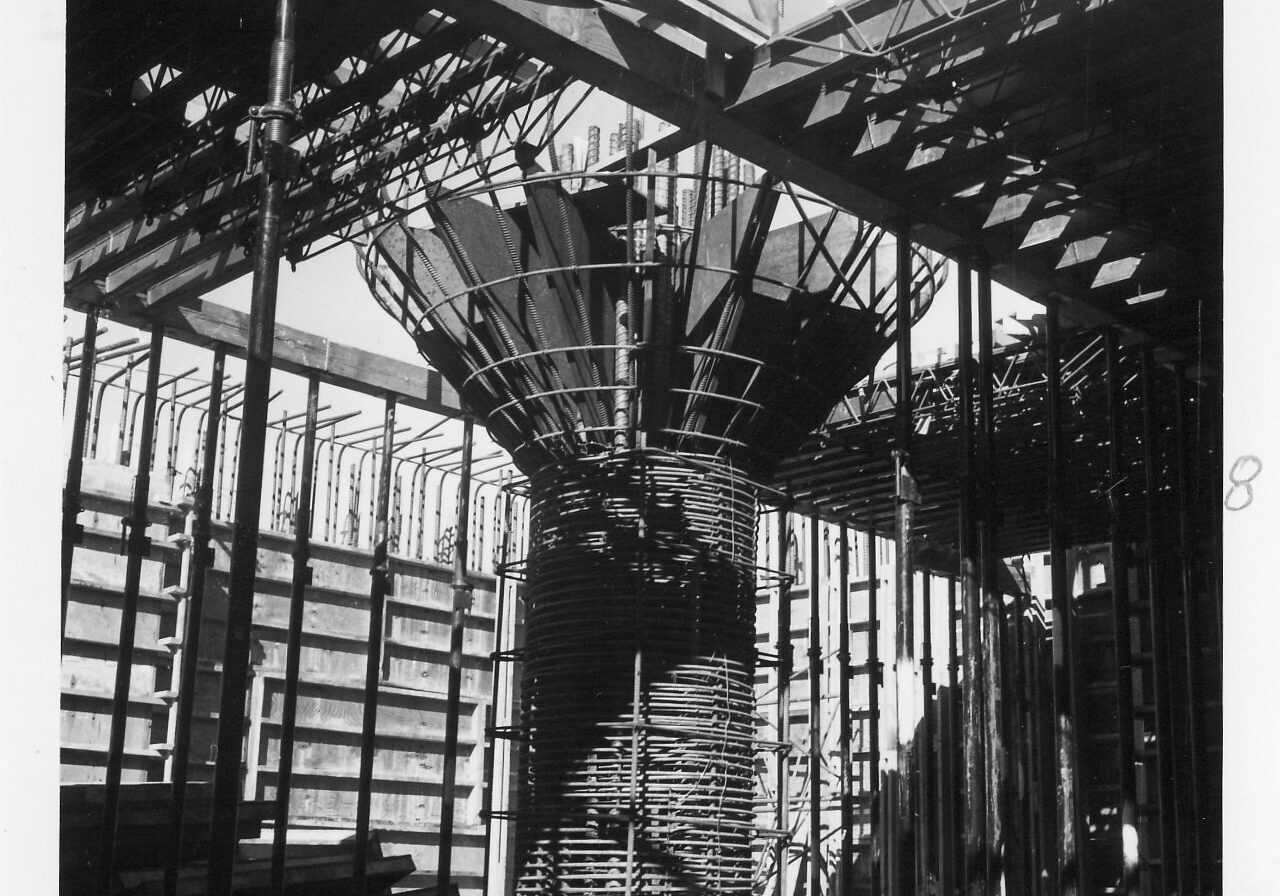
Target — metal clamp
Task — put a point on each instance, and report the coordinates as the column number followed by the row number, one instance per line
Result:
column 268, row 111
column 277, row 158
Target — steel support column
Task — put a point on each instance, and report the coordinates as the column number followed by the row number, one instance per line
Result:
column 875, row 681
column 815, row 711
column 992, row 601
column 137, row 546
column 248, row 496
column 72, row 531
column 293, row 650
column 904, row 669
column 1117, row 494
column 201, row 561
column 975, row 802
column 784, row 699
column 461, row 606
column 1166, row 761
column 948, row 739
column 379, row 588
column 924, row 748
column 1190, row 632
column 846, row 724
column 1070, row 855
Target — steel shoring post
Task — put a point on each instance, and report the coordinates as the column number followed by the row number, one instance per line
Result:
column 815, row 711
column 992, row 602
column 901, row 816
column 947, row 740
column 1190, row 629
column 248, row 496
column 846, row 725
column 1166, row 760
column 924, row 747
column 491, row 727
column 1120, row 595
column 379, row 588
column 461, row 606
column 72, row 531
column 293, row 651
column 201, row 560
column 1069, row 866
column 1025, row 802
column 974, row 867
column 784, row 700
column 876, row 679
column 137, row 547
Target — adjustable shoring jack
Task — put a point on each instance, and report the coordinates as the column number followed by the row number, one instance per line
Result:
column 279, row 160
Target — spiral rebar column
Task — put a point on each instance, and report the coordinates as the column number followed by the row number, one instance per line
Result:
column 643, row 380
column 637, row 688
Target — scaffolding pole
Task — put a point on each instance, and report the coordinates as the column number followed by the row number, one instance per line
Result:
column 846, row 724
column 293, row 651
column 1120, row 601
column 137, row 546
column 379, row 588
column 248, row 495
column 974, row 868
column 1070, row 869
column 873, row 699
column 1166, row 760
column 902, row 818
column 815, row 712
column 201, row 561
column 72, row 531
column 994, row 705
column 924, row 748
column 1190, row 632
column 784, row 699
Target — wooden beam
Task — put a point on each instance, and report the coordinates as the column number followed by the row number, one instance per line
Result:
column 728, row 25
column 202, row 323
column 642, row 68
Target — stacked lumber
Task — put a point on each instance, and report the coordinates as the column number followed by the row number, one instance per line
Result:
column 314, row 865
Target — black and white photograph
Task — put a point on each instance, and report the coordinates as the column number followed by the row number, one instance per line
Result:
column 640, row 448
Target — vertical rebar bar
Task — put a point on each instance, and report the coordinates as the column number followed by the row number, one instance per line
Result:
column 137, row 546
column 379, row 588
column 1069, row 870
column 1120, row 601
column 293, row 650
column 72, row 531
column 462, row 589
column 201, row 561
column 244, row 553
column 491, row 732
column 784, row 699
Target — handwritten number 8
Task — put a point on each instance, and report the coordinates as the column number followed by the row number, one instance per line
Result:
column 1243, row 472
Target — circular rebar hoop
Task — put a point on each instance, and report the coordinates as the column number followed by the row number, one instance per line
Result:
column 637, row 690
